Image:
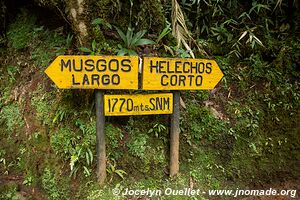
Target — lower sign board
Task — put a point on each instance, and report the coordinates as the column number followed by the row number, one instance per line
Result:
column 138, row 104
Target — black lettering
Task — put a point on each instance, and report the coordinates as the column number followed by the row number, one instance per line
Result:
column 182, row 79
column 147, row 108
column 105, row 79
column 173, row 80
column 64, row 65
column 126, row 67
column 167, row 103
column 73, row 80
column 142, row 107
column 109, row 106
column 95, row 78
column 162, row 80
column 89, row 65
column 177, row 69
column 191, row 79
column 115, row 79
column 122, row 103
column 155, row 67
column 110, row 65
column 129, row 104
column 184, row 67
column 115, row 103
column 198, row 80
column 80, row 66
column 136, row 108
column 161, row 67
column 168, row 68
column 85, row 80
column 208, row 68
column 152, row 101
column 158, row 103
column 101, row 67
column 193, row 67
column 200, row 68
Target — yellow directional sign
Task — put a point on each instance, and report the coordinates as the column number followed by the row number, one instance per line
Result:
column 139, row 104
column 180, row 74
column 94, row 72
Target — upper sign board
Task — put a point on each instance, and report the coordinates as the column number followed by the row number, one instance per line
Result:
column 180, row 74
column 138, row 104
column 94, row 72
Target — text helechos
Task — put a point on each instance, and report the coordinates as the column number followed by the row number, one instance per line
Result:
column 180, row 73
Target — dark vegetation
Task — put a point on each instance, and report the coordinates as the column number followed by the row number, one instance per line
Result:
column 244, row 133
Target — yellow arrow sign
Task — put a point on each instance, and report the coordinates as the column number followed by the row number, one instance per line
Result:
column 94, row 72
column 180, row 74
column 139, row 104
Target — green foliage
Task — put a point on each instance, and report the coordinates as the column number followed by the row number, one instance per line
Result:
column 50, row 185
column 112, row 170
column 91, row 51
column 163, row 33
column 137, row 146
column 43, row 106
column 29, row 179
column 99, row 21
column 11, row 117
column 200, row 124
column 22, row 32
column 49, row 44
column 9, row 192
column 103, row 193
column 131, row 40
column 177, row 52
column 114, row 137
column 62, row 46
column 13, row 71
column 77, row 147
column 158, row 130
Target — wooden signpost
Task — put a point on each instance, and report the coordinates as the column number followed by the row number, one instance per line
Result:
column 178, row 74
column 121, row 72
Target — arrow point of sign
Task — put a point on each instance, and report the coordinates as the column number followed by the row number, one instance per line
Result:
column 55, row 74
column 217, row 75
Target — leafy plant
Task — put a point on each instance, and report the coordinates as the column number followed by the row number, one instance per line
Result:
column 29, row 179
column 157, row 129
column 42, row 105
column 12, row 72
column 163, row 33
column 137, row 146
column 76, row 148
column 10, row 193
column 91, row 51
column 113, row 170
column 99, row 21
column 21, row 32
column 11, row 117
column 50, row 184
column 4, row 162
column 131, row 40
column 68, row 43
column 180, row 30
